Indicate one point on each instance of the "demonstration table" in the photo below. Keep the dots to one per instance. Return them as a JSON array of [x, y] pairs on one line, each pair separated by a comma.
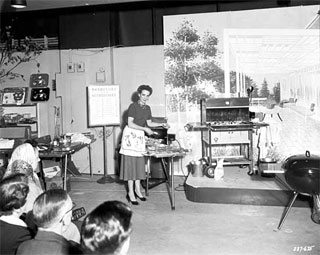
[[168, 171], [64, 154]]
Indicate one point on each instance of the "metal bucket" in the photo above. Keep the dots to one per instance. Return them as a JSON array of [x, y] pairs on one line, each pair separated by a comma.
[[196, 168]]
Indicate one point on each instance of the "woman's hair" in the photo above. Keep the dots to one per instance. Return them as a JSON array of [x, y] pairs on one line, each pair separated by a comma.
[[33, 142], [25, 152], [13, 193], [19, 167], [106, 228], [144, 87], [48, 207]]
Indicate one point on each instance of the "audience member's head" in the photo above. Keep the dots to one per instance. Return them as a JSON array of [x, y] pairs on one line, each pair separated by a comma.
[[33, 142], [27, 153], [106, 230], [13, 194], [52, 210], [35, 189], [19, 166]]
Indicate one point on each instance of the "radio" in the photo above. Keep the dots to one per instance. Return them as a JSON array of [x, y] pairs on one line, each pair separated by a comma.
[[14, 95], [78, 213], [39, 80], [40, 94]]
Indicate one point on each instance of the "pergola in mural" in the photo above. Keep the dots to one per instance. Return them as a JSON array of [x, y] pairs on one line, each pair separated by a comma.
[[269, 51]]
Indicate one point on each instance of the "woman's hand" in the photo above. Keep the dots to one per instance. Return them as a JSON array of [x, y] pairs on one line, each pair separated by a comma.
[[165, 125], [148, 131]]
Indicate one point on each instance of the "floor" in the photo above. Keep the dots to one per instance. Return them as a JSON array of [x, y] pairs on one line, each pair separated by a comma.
[[203, 228]]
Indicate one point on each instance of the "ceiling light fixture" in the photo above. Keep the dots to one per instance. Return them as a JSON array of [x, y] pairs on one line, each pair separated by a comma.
[[18, 3]]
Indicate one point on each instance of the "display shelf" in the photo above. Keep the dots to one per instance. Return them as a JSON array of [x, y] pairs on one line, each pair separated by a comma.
[[20, 115], [225, 142]]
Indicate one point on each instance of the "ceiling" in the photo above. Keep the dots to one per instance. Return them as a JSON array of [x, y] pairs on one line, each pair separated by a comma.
[[33, 5]]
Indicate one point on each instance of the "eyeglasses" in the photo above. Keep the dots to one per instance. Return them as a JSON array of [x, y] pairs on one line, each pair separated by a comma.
[[73, 206]]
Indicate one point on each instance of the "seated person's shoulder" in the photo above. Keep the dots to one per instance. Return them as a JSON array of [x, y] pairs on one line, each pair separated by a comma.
[[75, 248]]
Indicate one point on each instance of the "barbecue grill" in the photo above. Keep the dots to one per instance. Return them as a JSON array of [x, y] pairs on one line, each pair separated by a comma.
[[228, 122]]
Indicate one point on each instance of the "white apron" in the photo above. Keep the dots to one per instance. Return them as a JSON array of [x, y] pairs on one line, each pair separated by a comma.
[[133, 142]]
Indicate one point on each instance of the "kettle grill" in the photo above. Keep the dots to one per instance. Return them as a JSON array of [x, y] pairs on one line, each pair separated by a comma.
[[302, 173]]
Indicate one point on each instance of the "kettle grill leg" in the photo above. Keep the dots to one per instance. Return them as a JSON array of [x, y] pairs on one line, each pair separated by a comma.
[[315, 216], [286, 212]]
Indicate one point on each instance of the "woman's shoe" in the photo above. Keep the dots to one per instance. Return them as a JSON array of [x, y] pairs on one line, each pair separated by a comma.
[[141, 198], [132, 202]]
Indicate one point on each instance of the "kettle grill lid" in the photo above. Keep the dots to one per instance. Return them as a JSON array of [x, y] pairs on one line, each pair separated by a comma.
[[302, 161]]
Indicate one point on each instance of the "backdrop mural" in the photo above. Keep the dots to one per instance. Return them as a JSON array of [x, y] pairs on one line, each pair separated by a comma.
[[198, 64]]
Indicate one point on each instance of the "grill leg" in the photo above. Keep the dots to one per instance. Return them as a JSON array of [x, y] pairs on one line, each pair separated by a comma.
[[286, 212]]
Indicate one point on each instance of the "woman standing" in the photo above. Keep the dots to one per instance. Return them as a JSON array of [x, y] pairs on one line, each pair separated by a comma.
[[133, 164]]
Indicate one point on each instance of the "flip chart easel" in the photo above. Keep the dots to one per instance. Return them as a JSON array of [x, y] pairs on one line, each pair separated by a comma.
[[103, 110]]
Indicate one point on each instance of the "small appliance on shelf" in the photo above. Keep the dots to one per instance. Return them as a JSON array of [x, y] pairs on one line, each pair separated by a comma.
[[14, 95]]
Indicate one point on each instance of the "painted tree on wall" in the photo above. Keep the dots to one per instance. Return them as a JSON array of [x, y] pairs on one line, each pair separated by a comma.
[[191, 63], [264, 91], [276, 93], [192, 68], [255, 92]]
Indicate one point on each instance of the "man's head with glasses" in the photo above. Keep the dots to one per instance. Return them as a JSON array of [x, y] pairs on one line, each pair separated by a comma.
[[52, 210]]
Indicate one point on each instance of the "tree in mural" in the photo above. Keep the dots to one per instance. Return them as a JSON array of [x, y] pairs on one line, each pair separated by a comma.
[[191, 66], [264, 91], [276, 93], [255, 92]]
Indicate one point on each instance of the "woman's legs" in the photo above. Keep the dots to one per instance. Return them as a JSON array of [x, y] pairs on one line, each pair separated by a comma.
[[137, 188], [134, 190], [131, 191]]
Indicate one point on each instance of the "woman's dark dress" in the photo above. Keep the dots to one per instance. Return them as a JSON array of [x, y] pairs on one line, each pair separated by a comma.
[[133, 168]]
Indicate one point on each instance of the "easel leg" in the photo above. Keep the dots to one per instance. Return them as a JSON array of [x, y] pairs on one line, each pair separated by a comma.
[[172, 183]]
